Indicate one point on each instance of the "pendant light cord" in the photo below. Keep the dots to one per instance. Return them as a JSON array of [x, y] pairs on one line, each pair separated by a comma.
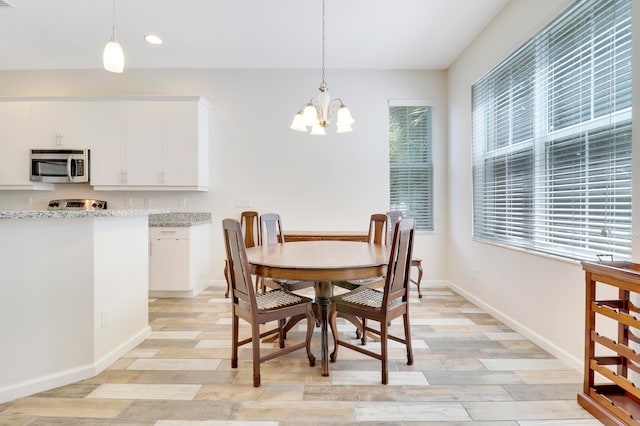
[[113, 28]]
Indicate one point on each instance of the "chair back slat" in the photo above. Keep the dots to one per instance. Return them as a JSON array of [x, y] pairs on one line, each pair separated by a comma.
[[394, 217], [239, 270], [378, 229], [271, 229], [249, 222], [398, 269]]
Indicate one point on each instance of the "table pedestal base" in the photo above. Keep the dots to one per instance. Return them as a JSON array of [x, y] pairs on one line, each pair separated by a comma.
[[324, 292]]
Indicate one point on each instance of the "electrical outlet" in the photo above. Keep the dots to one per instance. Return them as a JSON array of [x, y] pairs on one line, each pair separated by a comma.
[[147, 202], [183, 202], [104, 317], [243, 203]]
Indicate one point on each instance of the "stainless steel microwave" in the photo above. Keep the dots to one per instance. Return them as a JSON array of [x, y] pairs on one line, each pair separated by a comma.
[[60, 165]]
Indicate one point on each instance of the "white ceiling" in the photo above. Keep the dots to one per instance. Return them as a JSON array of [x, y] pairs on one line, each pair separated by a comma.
[[284, 34]]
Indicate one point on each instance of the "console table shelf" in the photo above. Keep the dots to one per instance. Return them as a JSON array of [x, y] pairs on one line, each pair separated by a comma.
[[614, 400]]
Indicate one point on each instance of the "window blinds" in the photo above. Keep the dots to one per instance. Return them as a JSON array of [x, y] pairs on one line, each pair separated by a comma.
[[411, 162], [552, 138]]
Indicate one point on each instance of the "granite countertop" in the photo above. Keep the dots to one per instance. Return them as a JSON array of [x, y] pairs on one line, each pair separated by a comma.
[[57, 214], [176, 219]]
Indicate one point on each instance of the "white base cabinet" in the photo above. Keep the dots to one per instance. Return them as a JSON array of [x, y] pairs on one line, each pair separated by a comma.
[[179, 263]]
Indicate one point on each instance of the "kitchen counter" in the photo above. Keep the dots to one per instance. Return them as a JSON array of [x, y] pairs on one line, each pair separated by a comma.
[[179, 219], [57, 214], [74, 295]]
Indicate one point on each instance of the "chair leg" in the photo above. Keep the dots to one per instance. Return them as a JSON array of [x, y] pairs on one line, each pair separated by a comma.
[[311, 321], [384, 341], [234, 341], [363, 340], [419, 266], [407, 338], [281, 324], [334, 330], [255, 345]]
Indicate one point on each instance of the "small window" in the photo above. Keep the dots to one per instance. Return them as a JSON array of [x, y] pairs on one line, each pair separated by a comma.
[[411, 161]]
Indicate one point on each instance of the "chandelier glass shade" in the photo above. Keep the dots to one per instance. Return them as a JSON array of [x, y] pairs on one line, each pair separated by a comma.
[[112, 55], [316, 114]]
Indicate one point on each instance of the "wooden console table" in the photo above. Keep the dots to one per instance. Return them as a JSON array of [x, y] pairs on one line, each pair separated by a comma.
[[615, 400], [294, 236]]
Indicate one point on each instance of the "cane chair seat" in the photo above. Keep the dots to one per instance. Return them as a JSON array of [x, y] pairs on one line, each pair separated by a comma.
[[280, 298]]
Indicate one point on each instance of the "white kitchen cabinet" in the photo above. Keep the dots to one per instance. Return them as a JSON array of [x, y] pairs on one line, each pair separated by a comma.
[[185, 164], [15, 145], [166, 146], [179, 260], [61, 124], [108, 148], [144, 142]]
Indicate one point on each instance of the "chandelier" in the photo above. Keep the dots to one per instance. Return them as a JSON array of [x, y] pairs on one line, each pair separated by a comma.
[[317, 112]]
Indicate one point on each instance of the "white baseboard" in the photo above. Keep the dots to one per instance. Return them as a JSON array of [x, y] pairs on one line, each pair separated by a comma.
[[570, 360], [62, 378]]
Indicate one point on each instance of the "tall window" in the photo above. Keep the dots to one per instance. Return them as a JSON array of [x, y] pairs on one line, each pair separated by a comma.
[[411, 161], [552, 138]]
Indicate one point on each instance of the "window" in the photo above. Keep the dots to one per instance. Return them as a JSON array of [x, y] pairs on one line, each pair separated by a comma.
[[411, 161], [552, 138]]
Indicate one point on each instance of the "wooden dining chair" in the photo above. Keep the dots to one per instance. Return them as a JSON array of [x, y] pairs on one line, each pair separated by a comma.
[[381, 306], [270, 232], [416, 262], [260, 308], [378, 224], [249, 225]]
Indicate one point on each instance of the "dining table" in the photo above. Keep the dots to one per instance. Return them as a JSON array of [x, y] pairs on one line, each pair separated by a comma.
[[324, 263]]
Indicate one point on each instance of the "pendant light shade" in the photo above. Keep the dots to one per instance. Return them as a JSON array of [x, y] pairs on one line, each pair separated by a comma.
[[112, 55]]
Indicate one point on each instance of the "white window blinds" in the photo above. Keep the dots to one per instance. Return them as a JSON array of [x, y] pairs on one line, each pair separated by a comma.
[[411, 162], [552, 138]]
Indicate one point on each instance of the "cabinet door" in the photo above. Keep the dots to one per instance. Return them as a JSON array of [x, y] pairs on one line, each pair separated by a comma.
[[144, 143], [61, 124], [108, 143], [169, 264], [179, 143], [15, 142]]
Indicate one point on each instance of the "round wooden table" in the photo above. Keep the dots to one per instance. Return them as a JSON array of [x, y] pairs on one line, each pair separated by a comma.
[[322, 262]]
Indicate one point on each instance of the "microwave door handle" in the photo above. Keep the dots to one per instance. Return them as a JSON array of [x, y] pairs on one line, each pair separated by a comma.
[[69, 160]]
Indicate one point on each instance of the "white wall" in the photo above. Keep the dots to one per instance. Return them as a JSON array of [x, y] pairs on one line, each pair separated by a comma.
[[540, 296], [316, 183]]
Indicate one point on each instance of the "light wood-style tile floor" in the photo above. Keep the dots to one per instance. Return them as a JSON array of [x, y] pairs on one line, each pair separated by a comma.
[[468, 369]]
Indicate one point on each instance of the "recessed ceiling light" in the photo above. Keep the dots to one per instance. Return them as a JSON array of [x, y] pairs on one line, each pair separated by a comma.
[[152, 39]]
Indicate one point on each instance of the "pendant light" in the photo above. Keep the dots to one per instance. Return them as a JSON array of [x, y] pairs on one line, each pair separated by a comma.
[[316, 113], [113, 56]]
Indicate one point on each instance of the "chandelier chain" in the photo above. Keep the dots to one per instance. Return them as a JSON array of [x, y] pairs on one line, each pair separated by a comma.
[[323, 84]]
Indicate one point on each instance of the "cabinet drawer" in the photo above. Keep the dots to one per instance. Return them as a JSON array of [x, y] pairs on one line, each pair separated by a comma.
[[159, 232]]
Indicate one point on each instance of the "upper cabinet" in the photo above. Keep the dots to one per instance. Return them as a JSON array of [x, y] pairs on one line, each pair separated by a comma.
[[136, 143], [60, 124], [15, 142], [151, 145]]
